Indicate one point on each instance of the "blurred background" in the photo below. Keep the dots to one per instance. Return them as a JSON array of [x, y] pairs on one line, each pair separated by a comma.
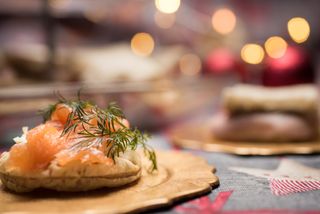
[[163, 61]]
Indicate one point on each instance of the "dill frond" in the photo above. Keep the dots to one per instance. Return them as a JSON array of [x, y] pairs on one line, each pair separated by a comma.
[[108, 130]]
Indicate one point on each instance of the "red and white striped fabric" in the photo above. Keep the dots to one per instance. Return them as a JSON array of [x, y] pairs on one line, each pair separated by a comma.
[[289, 177], [285, 187]]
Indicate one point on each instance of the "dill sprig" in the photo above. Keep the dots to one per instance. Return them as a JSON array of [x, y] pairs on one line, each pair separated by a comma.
[[108, 131], [47, 112]]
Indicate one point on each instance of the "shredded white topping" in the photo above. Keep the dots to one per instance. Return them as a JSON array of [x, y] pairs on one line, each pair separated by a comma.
[[23, 137]]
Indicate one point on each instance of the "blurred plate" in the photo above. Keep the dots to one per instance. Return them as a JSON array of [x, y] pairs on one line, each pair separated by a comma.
[[199, 135]]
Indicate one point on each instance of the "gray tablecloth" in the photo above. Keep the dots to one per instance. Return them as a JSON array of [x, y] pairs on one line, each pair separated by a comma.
[[240, 192]]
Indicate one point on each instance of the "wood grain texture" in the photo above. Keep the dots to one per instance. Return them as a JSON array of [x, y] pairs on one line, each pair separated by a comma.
[[180, 175], [199, 135]]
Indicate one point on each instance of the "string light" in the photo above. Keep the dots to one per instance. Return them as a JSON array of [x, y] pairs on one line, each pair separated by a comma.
[[276, 46], [167, 6], [190, 64], [252, 53], [142, 44], [299, 29], [224, 21], [164, 20]]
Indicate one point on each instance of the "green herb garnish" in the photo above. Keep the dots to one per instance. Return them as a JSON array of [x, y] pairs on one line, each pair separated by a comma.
[[108, 131]]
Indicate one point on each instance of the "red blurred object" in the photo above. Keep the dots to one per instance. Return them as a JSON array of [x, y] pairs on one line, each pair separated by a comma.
[[223, 61], [220, 61], [294, 67]]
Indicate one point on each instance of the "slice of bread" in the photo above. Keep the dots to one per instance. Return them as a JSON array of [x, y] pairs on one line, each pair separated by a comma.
[[74, 176], [301, 99]]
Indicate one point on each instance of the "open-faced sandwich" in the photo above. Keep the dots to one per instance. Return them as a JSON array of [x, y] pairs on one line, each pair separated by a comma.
[[257, 113], [79, 147]]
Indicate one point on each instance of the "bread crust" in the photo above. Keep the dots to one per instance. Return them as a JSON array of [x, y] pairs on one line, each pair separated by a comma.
[[74, 177], [68, 184]]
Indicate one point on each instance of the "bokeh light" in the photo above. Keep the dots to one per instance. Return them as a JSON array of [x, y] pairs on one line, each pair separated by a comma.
[[299, 29], [291, 59], [224, 21], [275, 46], [190, 64], [59, 4], [142, 44], [96, 15], [252, 53], [164, 20], [167, 6], [220, 61]]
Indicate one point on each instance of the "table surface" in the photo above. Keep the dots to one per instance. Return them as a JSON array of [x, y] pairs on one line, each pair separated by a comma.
[[246, 191]]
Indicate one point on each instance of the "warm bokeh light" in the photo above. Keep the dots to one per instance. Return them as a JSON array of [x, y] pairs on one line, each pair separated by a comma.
[[252, 53], [299, 29], [224, 21], [275, 46], [167, 6], [59, 4], [190, 64], [95, 16], [142, 44], [164, 20]]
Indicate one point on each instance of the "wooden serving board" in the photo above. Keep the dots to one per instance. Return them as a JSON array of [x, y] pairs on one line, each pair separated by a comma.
[[180, 175], [199, 135]]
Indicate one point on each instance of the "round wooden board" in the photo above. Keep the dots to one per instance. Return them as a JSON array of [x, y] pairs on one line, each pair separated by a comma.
[[172, 182], [198, 135]]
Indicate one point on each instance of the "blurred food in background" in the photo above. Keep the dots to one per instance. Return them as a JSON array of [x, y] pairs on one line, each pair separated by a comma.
[[89, 64]]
